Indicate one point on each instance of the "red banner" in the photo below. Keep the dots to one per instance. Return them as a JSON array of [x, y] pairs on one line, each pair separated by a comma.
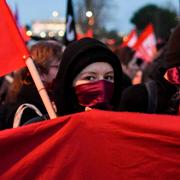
[[146, 44], [130, 40], [93, 145], [12, 47], [89, 33]]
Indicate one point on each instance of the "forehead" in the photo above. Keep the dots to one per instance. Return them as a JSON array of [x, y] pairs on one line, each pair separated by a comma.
[[97, 66]]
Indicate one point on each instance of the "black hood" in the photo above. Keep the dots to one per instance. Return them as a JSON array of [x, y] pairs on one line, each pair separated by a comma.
[[76, 57]]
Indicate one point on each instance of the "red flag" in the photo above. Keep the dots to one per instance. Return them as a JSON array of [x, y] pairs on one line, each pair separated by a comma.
[[24, 35], [12, 47], [93, 145], [80, 36], [89, 33], [146, 45], [130, 39]]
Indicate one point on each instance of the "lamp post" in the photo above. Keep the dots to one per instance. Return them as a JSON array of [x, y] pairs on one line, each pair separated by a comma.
[[89, 15]]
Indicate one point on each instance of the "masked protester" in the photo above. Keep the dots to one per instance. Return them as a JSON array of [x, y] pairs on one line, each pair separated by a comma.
[[89, 76]]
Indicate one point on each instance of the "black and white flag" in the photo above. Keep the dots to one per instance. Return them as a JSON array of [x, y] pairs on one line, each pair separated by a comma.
[[70, 33]]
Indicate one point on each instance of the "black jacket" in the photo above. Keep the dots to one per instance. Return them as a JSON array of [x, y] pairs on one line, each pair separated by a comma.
[[136, 98], [27, 94]]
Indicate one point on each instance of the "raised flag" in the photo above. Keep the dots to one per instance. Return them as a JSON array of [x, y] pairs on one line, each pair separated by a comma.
[[89, 33], [13, 51], [145, 47], [70, 32], [130, 39]]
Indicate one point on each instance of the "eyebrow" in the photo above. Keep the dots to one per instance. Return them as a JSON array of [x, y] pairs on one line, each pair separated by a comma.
[[88, 72], [110, 72], [92, 72]]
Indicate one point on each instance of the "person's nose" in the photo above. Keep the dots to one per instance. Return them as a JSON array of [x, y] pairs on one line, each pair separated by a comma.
[[100, 77]]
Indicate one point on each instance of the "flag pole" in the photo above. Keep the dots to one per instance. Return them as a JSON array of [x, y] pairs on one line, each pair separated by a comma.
[[40, 87]]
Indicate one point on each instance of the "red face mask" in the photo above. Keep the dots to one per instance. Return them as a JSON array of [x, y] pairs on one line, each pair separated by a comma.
[[173, 75], [96, 94]]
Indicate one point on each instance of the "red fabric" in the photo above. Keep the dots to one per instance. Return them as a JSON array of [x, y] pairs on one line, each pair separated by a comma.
[[130, 39], [146, 45], [24, 34], [95, 93], [93, 145], [89, 33], [173, 75], [12, 48]]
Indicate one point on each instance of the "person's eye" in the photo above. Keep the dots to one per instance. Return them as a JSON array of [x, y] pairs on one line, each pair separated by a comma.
[[89, 78], [109, 78]]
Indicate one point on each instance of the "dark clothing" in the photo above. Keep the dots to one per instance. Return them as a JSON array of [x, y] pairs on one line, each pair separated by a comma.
[[126, 81], [75, 58], [172, 56], [135, 98], [37, 119], [28, 94]]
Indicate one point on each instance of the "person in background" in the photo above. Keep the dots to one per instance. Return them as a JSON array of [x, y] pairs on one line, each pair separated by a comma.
[[160, 94], [125, 54], [89, 76], [23, 101], [138, 77], [5, 82]]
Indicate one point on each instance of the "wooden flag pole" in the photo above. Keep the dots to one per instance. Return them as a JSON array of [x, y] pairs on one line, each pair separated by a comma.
[[40, 87]]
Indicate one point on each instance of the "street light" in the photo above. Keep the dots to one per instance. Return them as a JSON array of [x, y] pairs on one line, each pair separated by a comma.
[[55, 14], [89, 14]]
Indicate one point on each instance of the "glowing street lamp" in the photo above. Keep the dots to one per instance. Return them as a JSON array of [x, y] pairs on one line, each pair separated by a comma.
[[89, 14], [55, 14], [29, 33], [42, 34]]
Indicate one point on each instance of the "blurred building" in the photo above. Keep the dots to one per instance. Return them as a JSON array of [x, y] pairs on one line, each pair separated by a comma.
[[50, 28], [54, 28]]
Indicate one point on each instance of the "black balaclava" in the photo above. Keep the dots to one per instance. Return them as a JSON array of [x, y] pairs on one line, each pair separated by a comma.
[[75, 58]]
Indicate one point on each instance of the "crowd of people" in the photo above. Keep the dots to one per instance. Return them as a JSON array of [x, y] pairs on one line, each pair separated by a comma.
[[89, 75]]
